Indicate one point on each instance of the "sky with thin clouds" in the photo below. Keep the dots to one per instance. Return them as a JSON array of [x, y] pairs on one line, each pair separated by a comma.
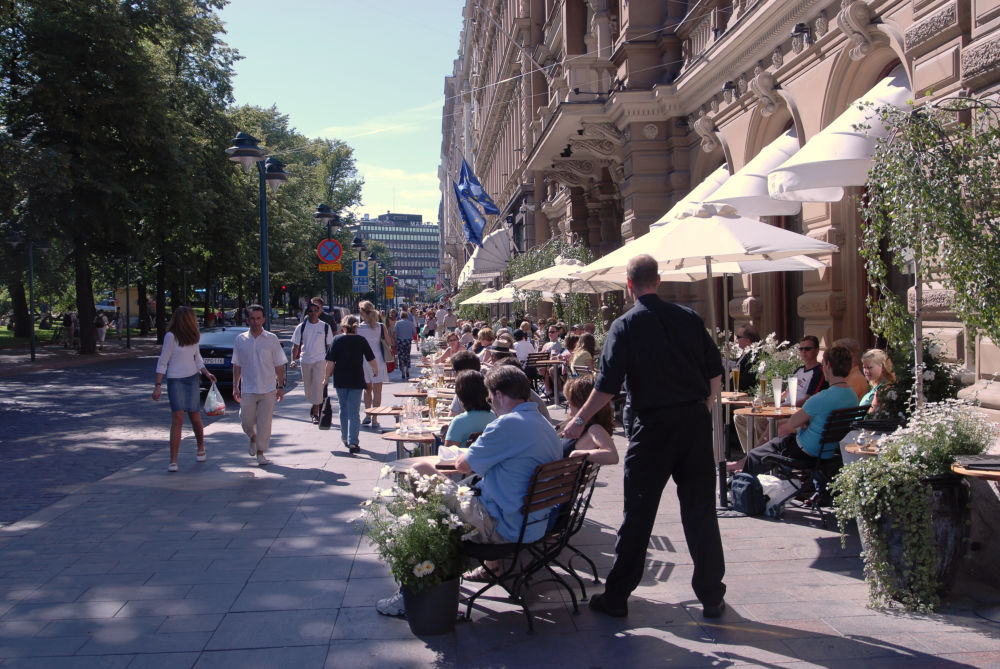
[[368, 73]]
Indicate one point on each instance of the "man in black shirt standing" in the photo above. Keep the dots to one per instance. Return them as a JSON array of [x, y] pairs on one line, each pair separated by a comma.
[[672, 370]]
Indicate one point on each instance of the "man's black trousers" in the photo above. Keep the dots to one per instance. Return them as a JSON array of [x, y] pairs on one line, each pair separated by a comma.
[[670, 442]]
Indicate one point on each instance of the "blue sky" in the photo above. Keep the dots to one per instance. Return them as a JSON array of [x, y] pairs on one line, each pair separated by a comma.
[[370, 73]]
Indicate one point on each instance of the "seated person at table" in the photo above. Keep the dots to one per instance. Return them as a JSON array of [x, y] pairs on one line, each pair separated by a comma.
[[542, 407], [522, 346], [877, 368], [452, 347], [460, 362], [595, 443], [470, 390], [799, 436], [856, 379], [505, 455]]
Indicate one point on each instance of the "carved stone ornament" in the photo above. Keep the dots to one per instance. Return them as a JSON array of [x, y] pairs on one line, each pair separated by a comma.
[[768, 99], [777, 58], [607, 131], [705, 128], [741, 84], [727, 96], [601, 147], [714, 104], [798, 44], [650, 131], [576, 172], [822, 25], [855, 20]]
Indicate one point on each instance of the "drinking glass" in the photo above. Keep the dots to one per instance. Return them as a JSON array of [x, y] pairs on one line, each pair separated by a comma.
[[763, 389], [736, 378], [776, 387], [432, 399], [793, 390]]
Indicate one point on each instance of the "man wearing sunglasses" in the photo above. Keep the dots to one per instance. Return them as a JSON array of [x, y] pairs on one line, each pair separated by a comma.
[[810, 373]]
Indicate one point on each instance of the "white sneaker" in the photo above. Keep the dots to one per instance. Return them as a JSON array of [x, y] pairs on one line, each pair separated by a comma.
[[253, 447], [392, 606], [261, 460]]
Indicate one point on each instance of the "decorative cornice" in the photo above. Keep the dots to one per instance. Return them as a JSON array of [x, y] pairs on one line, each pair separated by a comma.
[[981, 60]]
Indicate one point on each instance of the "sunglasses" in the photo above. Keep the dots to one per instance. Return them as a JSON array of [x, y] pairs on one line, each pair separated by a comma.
[[807, 348]]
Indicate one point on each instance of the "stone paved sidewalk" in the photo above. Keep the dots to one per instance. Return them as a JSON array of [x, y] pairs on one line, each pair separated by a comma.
[[225, 564]]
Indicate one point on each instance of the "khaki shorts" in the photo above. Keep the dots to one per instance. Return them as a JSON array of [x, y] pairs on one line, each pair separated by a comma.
[[473, 513]]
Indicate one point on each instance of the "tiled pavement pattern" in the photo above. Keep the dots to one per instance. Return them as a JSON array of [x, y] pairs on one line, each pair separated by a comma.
[[228, 565]]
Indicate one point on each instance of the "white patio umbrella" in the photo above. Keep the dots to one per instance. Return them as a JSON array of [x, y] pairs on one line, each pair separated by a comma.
[[701, 239], [563, 277], [505, 295], [479, 297]]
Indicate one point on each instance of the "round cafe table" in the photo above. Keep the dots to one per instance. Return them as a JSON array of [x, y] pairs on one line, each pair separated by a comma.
[[772, 415], [554, 362], [423, 441]]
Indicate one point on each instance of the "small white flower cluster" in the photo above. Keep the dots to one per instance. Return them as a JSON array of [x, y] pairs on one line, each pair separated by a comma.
[[425, 568]]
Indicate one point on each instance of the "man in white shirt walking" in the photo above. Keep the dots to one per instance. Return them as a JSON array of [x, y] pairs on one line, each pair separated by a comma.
[[258, 380], [310, 342]]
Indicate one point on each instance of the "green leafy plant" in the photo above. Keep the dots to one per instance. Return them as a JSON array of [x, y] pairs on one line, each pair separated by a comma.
[[574, 309], [413, 530], [472, 312], [896, 402], [931, 205], [891, 493]]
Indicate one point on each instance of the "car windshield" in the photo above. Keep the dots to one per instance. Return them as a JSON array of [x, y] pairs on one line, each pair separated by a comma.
[[220, 336]]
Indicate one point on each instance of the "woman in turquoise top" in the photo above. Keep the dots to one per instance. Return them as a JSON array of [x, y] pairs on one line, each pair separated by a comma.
[[471, 391], [877, 367]]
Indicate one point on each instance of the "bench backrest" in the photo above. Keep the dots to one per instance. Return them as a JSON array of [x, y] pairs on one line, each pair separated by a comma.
[[838, 424]]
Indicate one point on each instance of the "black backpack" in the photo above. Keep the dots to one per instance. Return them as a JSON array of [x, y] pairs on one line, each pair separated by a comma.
[[748, 494]]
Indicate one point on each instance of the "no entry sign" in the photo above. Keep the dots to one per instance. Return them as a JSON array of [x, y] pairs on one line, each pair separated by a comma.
[[329, 251]]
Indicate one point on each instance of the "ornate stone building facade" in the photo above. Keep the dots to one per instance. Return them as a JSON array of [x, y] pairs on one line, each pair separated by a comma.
[[593, 117]]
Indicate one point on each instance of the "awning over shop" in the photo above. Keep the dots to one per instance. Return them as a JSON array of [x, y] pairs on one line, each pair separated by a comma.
[[746, 190], [840, 154], [698, 194], [489, 260]]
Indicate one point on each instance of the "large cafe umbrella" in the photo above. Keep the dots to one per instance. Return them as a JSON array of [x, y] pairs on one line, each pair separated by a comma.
[[505, 295], [703, 237], [563, 277]]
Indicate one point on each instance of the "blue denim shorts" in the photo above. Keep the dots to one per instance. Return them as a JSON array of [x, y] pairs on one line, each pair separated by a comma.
[[184, 394]]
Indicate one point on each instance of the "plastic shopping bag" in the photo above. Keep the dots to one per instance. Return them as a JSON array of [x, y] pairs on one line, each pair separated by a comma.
[[214, 404]]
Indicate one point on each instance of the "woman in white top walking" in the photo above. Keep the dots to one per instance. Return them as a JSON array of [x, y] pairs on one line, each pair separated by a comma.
[[181, 361], [372, 330]]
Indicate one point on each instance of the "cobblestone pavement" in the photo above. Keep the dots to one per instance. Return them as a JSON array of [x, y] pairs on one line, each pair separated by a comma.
[[62, 428]]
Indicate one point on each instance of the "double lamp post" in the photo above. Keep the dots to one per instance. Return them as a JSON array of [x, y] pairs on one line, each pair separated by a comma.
[[247, 151]]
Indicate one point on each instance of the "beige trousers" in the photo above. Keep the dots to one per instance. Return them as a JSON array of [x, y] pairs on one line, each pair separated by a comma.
[[312, 380], [256, 412]]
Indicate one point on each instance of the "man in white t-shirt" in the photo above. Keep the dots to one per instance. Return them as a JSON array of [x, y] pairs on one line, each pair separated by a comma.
[[310, 342], [441, 316]]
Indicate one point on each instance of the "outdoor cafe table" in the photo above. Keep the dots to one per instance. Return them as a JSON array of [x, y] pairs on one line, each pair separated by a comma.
[[442, 392], [423, 440], [772, 415], [554, 362]]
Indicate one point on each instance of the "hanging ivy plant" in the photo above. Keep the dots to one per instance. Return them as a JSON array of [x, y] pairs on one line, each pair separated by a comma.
[[932, 197], [542, 257], [472, 312]]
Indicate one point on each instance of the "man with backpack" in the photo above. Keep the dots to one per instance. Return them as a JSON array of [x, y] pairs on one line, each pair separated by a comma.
[[310, 342]]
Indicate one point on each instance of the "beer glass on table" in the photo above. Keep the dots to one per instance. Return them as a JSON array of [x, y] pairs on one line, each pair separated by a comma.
[[432, 398], [793, 390], [735, 372]]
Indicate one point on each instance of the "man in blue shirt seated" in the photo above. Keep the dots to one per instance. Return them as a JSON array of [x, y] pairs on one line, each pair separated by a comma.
[[799, 436], [505, 455]]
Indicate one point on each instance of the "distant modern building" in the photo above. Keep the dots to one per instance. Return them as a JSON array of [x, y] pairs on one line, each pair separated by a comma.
[[415, 246]]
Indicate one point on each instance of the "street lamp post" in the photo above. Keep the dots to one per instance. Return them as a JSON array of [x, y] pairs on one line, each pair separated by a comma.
[[323, 213], [15, 240], [246, 151]]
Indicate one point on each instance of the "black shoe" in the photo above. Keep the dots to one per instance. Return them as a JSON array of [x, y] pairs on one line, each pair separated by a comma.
[[714, 610], [602, 604], [354, 448]]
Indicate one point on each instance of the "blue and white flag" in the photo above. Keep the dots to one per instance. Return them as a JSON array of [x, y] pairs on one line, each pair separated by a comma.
[[469, 184], [472, 219]]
